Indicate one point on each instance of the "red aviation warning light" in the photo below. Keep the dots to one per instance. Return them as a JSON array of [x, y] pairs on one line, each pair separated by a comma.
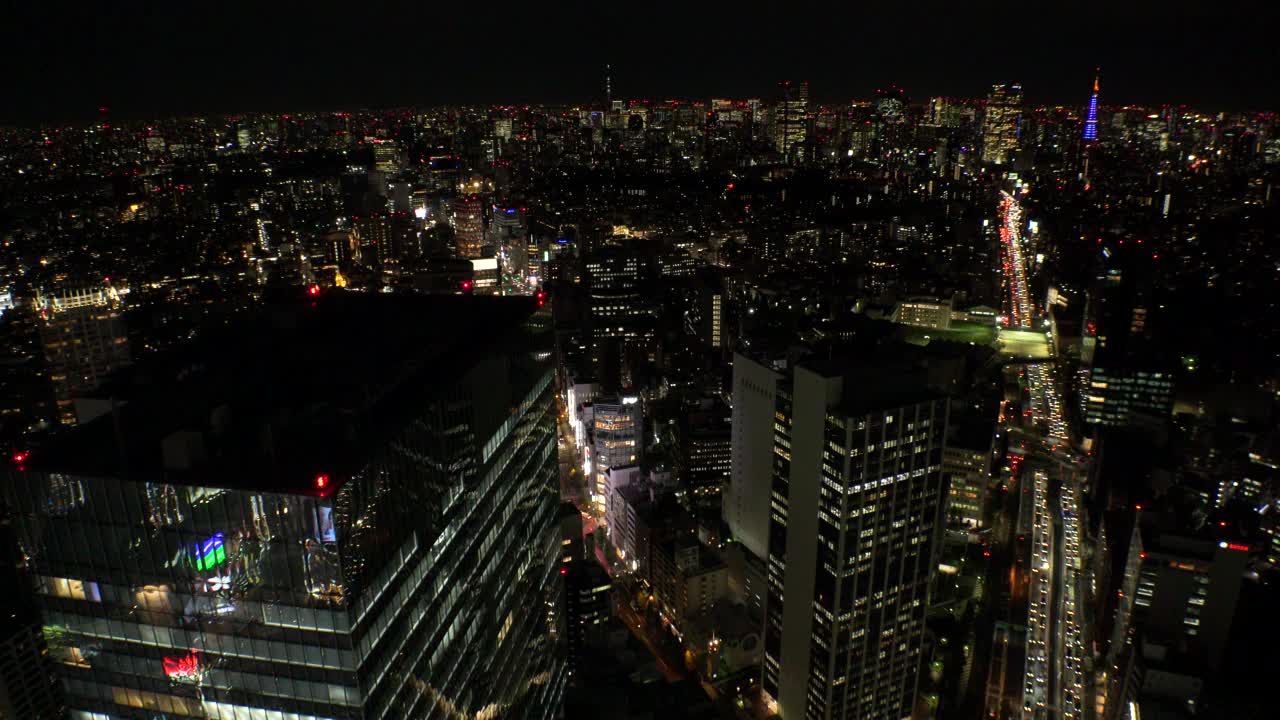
[[322, 482], [313, 290]]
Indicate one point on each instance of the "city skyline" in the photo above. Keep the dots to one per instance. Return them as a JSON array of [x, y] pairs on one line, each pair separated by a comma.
[[937, 404]]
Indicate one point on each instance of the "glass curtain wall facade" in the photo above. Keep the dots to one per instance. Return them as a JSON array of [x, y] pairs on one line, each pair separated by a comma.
[[425, 586]]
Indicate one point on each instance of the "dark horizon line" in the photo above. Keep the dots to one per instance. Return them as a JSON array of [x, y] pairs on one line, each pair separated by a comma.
[[92, 114]]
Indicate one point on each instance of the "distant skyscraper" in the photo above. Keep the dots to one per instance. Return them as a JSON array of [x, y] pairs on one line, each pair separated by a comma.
[[386, 157], [332, 513], [468, 226], [84, 339], [855, 516], [385, 240], [891, 103], [502, 128], [943, 112], [1091, 117], [1001, 125], [791, 116]]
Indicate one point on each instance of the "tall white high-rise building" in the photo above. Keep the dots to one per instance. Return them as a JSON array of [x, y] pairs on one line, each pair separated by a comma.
[[746, 498]]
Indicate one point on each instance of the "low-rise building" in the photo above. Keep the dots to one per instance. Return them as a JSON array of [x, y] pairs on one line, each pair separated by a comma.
[[688, 578], [925, 312]]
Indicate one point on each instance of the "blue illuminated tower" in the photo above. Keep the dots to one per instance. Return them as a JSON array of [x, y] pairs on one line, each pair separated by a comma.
[[1091, 119]]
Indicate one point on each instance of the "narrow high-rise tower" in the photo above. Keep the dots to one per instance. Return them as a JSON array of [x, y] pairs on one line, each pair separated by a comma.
[[854, 518], [790, 116], [468, 226], [1002, 124], [1091, 119]]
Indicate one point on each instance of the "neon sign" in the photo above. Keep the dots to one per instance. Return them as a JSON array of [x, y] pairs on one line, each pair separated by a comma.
[[184, 669], [210, 553], [218, 583]]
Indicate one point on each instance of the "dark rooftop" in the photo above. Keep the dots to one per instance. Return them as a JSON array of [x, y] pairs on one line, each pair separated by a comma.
[[875, 381], [295, 390]]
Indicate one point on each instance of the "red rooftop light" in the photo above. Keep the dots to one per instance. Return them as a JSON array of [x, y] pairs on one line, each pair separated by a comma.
[[21, 456], [322, 481], [313, 290]]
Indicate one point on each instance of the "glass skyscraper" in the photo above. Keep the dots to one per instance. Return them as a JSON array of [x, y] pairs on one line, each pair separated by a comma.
[[341, 508]]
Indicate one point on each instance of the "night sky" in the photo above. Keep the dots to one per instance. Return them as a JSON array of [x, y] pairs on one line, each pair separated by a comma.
[[61, 60]]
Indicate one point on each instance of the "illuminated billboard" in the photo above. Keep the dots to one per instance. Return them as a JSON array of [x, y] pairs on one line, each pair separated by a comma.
[[209, 554]]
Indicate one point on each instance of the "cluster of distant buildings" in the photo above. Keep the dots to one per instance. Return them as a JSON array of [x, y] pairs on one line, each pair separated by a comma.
[[301, 517]]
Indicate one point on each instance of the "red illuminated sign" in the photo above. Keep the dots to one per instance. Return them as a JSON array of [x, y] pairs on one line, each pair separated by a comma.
[[184, 669]]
